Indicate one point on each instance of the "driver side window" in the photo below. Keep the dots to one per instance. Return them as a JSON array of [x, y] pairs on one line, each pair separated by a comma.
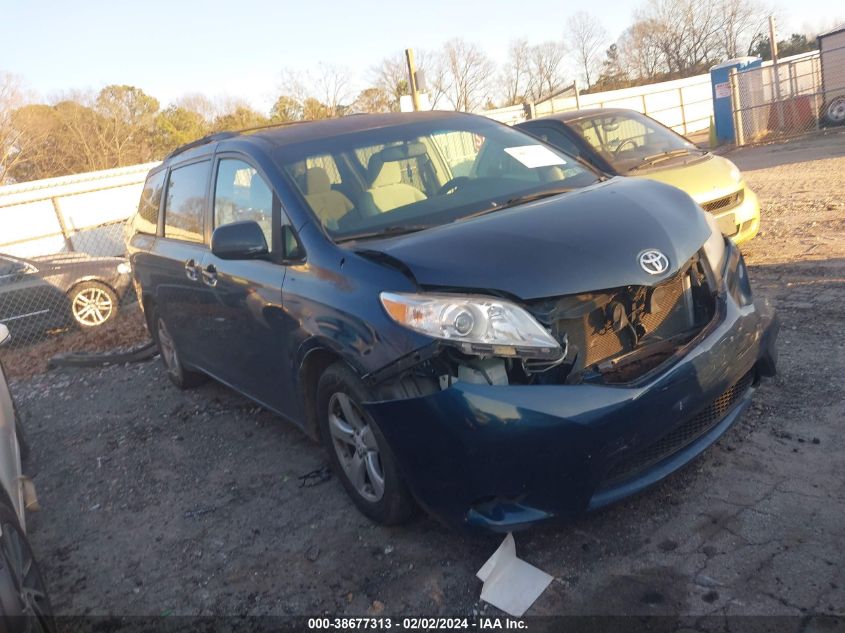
[[242, 194]]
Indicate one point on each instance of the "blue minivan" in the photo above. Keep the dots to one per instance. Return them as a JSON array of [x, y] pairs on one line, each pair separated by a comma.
[[468, 319]]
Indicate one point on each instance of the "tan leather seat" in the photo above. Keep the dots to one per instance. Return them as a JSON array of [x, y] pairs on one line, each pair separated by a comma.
[[328, 205], [387, 191]]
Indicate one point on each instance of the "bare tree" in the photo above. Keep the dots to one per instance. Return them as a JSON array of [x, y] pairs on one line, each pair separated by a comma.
[[685, 31], [516, 74], [333, 86], [741, 21], [547, 69], [199, 103], [322, 90], [466, 74], [641, 51], [11, 98], [391, 77], [587, 39]]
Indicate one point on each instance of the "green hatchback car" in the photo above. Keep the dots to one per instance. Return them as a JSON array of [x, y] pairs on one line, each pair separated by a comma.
[[627, 143]]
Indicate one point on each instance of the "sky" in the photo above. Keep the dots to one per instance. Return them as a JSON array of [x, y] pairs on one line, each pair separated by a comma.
[[240, 47]]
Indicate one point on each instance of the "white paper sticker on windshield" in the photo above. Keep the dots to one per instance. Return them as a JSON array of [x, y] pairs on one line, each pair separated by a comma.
[[535, 156]]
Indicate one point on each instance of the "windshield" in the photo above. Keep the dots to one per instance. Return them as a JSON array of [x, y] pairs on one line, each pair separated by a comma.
[[630, 141], [403, 178]]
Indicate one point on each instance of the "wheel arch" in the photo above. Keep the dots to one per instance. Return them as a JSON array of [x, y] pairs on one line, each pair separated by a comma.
[[314, 363]]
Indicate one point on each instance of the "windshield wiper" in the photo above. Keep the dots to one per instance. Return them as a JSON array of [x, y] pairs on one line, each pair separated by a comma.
[[517, 200], [648, 161], [398, 229]]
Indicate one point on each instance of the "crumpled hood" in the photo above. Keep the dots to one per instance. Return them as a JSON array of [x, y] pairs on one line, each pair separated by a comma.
[[704, 180], [582, 241]]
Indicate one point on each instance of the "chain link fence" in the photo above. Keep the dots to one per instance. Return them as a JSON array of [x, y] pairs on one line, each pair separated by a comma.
[[65, 283], [795, 96]]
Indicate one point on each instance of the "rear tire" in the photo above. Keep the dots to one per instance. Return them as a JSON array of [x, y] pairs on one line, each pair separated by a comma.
[[835, 111], [24, 603], [179, 376], [359, 453]]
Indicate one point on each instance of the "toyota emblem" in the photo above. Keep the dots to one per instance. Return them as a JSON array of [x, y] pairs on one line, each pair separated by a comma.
[[653, 261]]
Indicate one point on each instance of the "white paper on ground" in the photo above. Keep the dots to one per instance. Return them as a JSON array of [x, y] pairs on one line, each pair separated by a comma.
[[535, 156], [510, 583]]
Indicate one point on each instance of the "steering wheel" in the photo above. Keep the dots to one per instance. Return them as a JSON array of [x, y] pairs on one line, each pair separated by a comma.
[[627, 141], [452, 185]]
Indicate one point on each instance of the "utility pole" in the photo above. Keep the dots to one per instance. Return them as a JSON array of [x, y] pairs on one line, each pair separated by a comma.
[[773, 40], [412, 78], [773, 45]]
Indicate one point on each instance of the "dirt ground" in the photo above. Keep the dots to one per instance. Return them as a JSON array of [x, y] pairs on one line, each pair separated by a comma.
[[156, 501]]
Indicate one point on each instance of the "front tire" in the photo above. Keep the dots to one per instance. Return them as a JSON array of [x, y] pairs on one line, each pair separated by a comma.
[[93, 304], [358, 451], [24, 604], [179, 376]]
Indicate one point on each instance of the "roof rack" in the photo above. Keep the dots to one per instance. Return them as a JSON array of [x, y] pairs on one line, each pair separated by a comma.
[[221, 136], [211, 138]]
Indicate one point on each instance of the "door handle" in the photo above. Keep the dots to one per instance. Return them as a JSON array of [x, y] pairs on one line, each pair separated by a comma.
[[191, 270], [209, 275]]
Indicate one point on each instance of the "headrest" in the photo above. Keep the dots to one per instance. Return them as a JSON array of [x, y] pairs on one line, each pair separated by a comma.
[[317, 180], [389, 173]]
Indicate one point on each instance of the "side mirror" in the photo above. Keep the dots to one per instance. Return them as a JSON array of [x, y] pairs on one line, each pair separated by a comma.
[[239, 240], [4, 334]]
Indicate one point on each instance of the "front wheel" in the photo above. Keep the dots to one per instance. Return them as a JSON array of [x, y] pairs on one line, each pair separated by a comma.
[[357, 449], [93, 304], [24, 604]]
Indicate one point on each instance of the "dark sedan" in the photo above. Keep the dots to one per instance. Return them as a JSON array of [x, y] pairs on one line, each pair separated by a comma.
[[466, 317], [56, 291]]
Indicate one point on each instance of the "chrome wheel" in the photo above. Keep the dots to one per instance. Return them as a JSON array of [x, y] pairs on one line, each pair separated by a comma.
[[356, 447], [167, 348], [92, 306]]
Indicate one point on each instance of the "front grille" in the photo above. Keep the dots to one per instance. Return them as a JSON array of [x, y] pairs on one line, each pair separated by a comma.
[[683, 435], [598, 342], [724, 203]]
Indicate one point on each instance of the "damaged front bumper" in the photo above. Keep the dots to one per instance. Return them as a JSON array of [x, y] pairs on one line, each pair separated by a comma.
[[504, 457]]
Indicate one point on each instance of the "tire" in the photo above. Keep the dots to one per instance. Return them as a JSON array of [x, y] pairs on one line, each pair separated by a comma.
[[93, 304], [359, 447], [22, 588], [179, 376], [835, 111], [23, 445]]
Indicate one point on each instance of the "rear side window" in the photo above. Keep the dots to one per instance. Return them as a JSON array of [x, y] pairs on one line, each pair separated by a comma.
[[146, 220], [185, 204]]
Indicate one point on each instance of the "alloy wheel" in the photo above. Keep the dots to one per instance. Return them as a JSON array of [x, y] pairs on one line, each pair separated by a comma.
[[92, 306], [356, 447]]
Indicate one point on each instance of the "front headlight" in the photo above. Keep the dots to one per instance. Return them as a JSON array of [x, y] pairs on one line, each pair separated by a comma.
[[735, 174], [475, 324], [714, 247], [124, 268]]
